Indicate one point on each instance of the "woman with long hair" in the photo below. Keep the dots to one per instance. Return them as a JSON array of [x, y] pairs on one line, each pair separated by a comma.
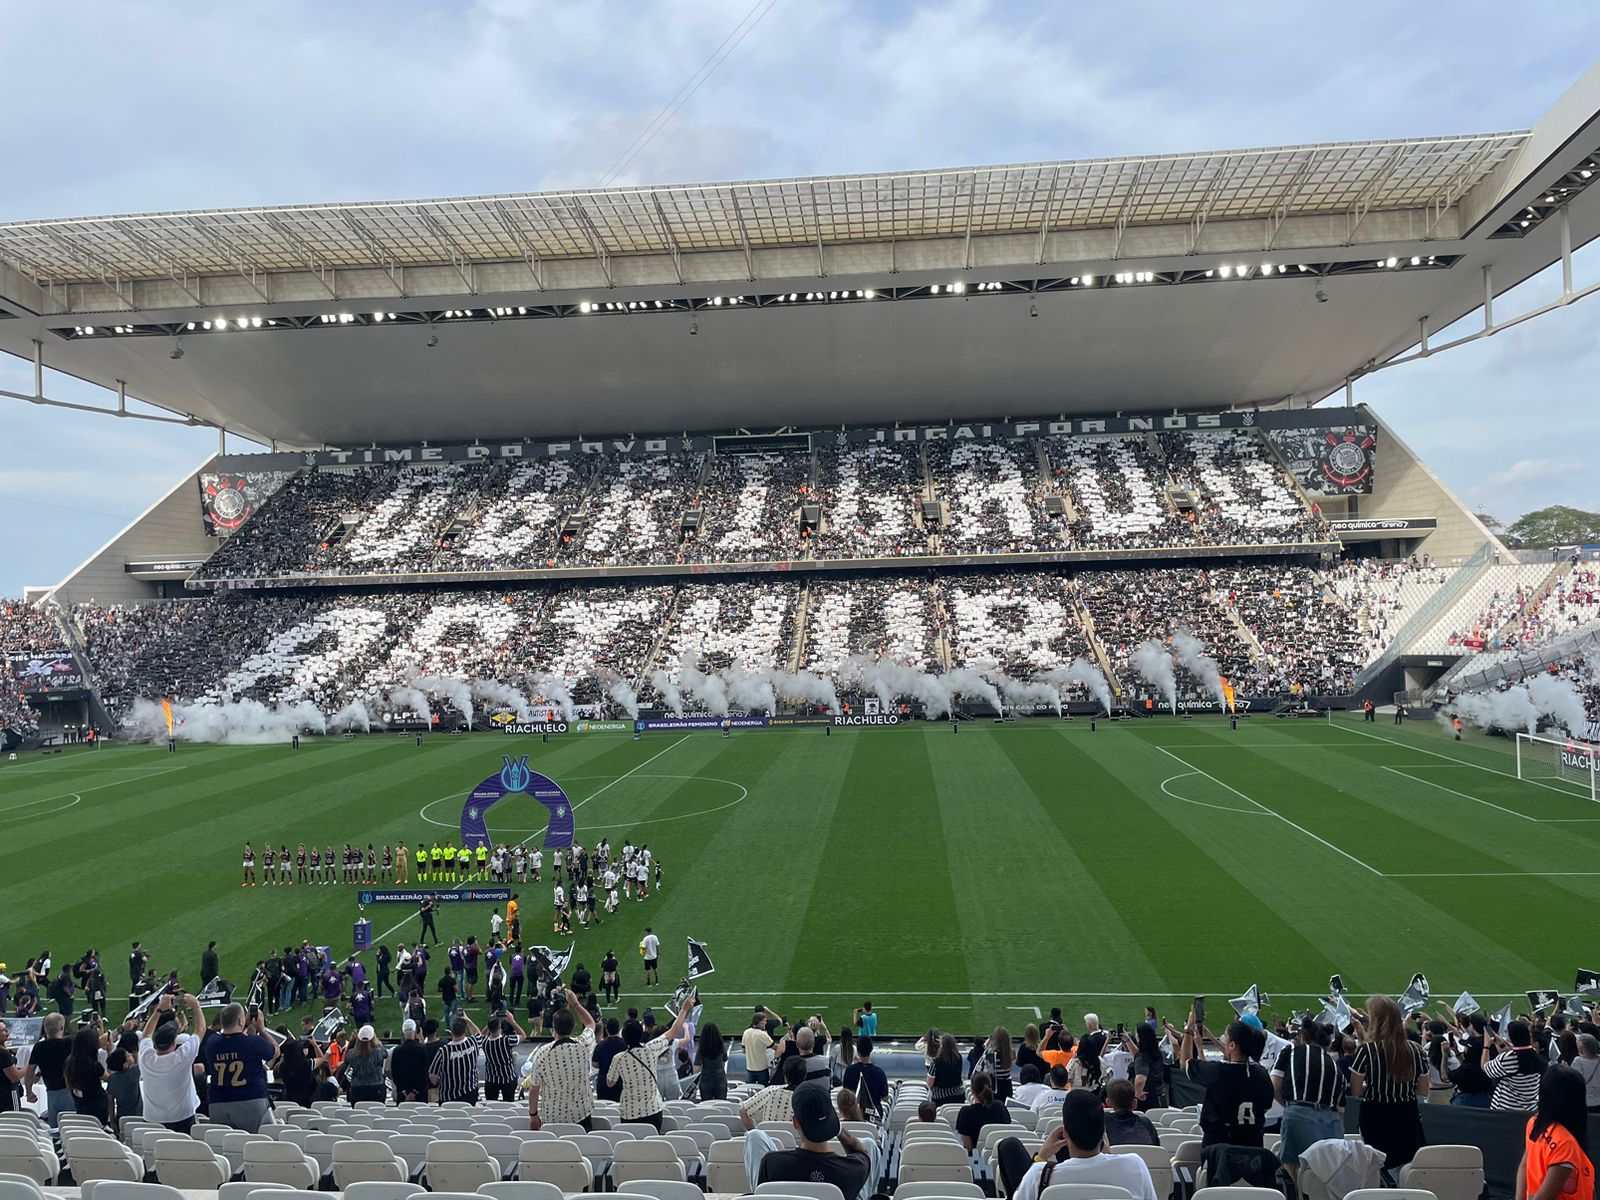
[[1028, 1052], [1086, 1071], [1149, 1069], [86, 1077], [986, 1109], [296, 1068], [944, 1076], [1555, 1157], [1389, 1074], [712, 1056], [362, 1069], [999, 1055], [1516, 1072]]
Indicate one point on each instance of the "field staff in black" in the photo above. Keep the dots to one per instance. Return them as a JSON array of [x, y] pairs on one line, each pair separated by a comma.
[[455, 1064]]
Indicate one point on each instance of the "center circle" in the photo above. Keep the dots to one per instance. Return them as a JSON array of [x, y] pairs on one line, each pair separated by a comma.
[[744, 794]]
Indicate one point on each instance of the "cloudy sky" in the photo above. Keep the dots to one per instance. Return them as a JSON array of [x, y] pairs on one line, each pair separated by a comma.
[[128, 108]]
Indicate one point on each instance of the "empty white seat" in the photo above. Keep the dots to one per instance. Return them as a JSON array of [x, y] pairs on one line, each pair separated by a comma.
[[1159, 1161], [460, 1166], [725, 1167], [243, 1189], [21, 1154], [557, 1162], [504, 1149], [821, 1191], [232, 1147], [1085, 1191], [930, 1159], [645, 1158], [521, 1189], [101, 1156], [19, 1187], [945, 1188], [267, 1161], [319, 1149], [372, 1189], [1449, 1172], [187, 1164], [1236, 1193], [662, 1189], [359, 1160], [116, 1189]]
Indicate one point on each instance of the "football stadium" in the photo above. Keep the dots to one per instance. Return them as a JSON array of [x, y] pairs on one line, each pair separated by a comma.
[[925, 607]]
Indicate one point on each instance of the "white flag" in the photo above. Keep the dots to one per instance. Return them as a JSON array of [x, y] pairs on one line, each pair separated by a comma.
[[1248, 1004], [1502, 1021], [699, 960], [1336, 1013], [1465, 1006], [1416, 994]]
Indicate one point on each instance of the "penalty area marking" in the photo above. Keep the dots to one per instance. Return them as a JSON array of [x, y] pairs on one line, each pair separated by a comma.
[[51, 812], [1198, 803], [744, 794]]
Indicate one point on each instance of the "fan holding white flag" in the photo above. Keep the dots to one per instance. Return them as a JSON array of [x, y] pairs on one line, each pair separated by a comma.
[[1465, 1005], [1416, 994], [1249, 1004]]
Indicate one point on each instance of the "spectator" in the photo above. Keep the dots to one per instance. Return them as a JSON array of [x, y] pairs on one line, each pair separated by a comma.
[[237, 1059], [48, 1063], [813, 1160], [1515, 1072], [984, 1110], [635, 1068], [167, 1055], [122, 1082], [1238, 1090], [1050, 1092], [927, 1112], [944, 1076], [1072, 1154], [866, 1073], [1388, 1075], [362, 1071], [10, 1074], [758, 1047], [297, 1068], [559, 1088], [607, 1049], [1311, 1090], [995, 1055], [1124, 1127], [711, 1056], [454, 1070], [86, 1075], [1149, 1068], [1587, 1065], [1555, 1156], [500, 1052], [1028, 1052], [408, 1066], [866, 1020], [775, 1102]]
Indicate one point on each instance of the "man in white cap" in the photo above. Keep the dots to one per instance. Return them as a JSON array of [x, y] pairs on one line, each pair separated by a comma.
[[408, 1066], [166, 1065]]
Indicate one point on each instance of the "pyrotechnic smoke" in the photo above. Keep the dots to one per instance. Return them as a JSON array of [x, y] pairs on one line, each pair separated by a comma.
[[352, 716], [671, 694], [1018, 693], [750, 690], [710, 690], [803, 687], [240, 723], [625, 697], [492, 691], [410, 699], [447, 687], [1201, 665], [1510, 710], [552, 689], [964, 681], [890, 679], [1559, 700], [1086, 674], [1154, 665]]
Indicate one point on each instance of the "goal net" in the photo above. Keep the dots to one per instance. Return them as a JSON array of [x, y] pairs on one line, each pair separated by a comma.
[[1565, 762]]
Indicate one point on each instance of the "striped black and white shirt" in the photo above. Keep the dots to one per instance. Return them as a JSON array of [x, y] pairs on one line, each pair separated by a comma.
[[1516, 1075], [562, 1076], [635, 1070], [1387, 1084], [500, 1059], [1310, 1076], [455, 1065]]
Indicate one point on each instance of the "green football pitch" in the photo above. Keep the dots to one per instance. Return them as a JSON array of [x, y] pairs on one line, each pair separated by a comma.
[[955, 880]]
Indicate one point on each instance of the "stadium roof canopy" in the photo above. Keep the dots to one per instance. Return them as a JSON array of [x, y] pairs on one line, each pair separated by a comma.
[[1193, 280]]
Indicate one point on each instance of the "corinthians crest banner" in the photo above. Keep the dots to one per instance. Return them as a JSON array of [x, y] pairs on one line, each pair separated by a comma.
[[515, 778], [1336, 461]]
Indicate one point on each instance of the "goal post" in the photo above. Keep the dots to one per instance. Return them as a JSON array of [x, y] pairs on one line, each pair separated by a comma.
[[1567, 762]]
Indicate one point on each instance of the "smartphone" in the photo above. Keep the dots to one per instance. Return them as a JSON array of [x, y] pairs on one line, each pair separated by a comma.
[[1121, 1032], [1200, 1011]]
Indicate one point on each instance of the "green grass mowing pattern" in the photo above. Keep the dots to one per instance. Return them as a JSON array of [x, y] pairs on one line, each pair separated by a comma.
[[956, 880]]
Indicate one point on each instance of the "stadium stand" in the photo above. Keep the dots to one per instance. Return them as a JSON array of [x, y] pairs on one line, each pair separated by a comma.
[[1382, 596], [1494, 599]]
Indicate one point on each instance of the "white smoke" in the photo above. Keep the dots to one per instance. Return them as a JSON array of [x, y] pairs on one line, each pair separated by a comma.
[[352, 716], [1559, 700], [803, 687], [446, 687], [492, 691], [553, 690], [964, 681], [710, 690], [1154, 665], [671, 694], [625, 697], [1509, 710], [1194, 659], [1084, 673], [1018, 693], [410, 699], [890, 679], [750, 690], [237, 723]]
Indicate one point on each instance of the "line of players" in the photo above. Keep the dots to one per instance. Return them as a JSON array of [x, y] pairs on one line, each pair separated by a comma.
[[385, 864], [598, 875]]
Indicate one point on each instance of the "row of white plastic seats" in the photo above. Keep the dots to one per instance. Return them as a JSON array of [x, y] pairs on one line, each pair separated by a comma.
[[18, 1188]]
